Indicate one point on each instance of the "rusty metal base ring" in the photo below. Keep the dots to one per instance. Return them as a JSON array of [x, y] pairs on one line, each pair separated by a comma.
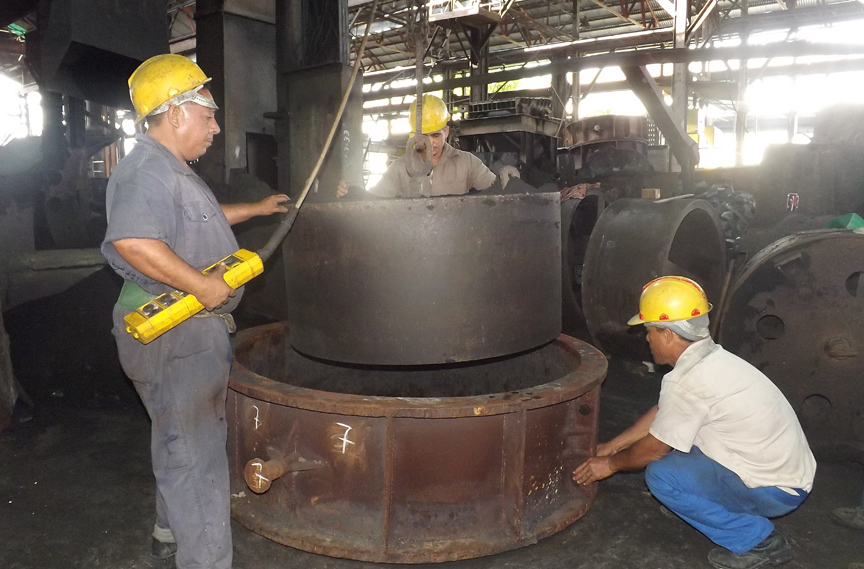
[[409, 479]]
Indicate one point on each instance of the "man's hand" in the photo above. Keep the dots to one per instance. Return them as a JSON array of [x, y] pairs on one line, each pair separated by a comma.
[[507, 172], [578, 191], [239, 212], [342, 189], [214, 291], [277, 203], [592, 470]]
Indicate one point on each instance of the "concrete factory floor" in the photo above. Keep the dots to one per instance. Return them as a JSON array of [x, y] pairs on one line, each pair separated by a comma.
[[76, 490]]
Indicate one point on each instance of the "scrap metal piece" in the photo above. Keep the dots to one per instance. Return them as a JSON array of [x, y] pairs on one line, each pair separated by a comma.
[[425, 280], [796, 312], [479, 463], [636, 241]]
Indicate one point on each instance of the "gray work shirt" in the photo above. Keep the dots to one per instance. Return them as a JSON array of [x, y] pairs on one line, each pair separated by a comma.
[[457, 172], [152, 195]]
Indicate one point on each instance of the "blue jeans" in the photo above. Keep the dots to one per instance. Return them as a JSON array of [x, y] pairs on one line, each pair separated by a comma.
[[182, 379], [715, 501]]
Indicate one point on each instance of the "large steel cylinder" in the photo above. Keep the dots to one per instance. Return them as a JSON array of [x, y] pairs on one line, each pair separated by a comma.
[[426, 280], [409, 466], [796, 312], [635, 241]]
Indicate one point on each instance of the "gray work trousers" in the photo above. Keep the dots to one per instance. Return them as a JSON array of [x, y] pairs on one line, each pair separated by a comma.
[[182, 379]]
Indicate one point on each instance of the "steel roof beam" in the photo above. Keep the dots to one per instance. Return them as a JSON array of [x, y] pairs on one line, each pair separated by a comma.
[[642, 57]]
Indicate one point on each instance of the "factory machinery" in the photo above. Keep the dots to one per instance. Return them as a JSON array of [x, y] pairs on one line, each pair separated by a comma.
[[403, 311], [780, 259], [421, 403]]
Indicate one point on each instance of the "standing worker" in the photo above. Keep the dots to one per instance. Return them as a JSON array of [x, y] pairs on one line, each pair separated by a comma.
[[453, 171], [164, 228], [723, 447]]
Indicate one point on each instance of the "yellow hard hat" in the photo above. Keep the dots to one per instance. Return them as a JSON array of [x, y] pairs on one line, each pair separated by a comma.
[[435, 115], [668, 299], [160, 79]]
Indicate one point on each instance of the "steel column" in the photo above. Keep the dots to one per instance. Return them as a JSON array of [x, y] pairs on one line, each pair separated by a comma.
[[741, 103], [679, 86], [237, 50], [313, 74], [684, 148]]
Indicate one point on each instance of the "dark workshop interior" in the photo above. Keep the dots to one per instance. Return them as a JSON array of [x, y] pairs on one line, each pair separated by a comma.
[[419, 377]]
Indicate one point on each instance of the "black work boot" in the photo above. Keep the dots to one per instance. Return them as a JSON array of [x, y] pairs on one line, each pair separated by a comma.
[[163, 546], [774, 550], [162, 550]]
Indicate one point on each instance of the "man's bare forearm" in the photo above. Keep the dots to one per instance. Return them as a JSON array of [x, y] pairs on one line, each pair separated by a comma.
[[633, 449], [636, 432], [639, 454], [239, 212], [156, 260]]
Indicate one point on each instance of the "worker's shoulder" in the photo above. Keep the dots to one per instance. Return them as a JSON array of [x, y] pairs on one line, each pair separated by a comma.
[[723, 358], [147, 161], [143, 171], [719, 369], [462, 158]]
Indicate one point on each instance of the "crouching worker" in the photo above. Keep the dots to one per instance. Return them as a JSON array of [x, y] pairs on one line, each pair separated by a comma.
[[723, 448]]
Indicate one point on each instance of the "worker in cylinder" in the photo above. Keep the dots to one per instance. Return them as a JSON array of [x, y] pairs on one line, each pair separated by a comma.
[[723, 447], [453, 171], [164, 227]]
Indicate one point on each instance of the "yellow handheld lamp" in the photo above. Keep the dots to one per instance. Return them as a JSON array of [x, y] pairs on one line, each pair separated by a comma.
[[170, 309]]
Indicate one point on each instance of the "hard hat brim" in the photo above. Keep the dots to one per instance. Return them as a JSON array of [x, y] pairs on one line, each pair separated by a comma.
[[636, 320]]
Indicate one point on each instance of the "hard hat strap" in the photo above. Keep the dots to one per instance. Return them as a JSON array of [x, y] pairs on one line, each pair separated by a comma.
[[190, 96]]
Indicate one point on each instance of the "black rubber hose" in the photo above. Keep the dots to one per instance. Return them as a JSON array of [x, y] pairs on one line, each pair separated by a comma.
[[267, 250]]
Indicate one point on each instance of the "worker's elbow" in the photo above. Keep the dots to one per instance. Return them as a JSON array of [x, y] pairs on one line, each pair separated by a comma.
[[126, 247], [131, 248], [659, 452]]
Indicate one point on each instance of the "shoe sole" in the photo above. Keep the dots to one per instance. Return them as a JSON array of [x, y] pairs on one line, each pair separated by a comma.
[[848, 523], [778, 558]]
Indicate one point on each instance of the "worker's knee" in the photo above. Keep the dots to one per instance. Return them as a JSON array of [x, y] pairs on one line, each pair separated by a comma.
[[658, 476], [670, 474]]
